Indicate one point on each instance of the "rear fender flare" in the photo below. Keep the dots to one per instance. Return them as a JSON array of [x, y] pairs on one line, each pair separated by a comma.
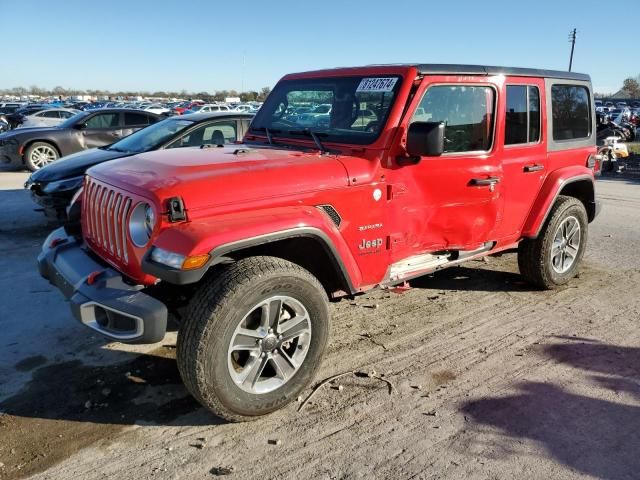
[[555, 185]]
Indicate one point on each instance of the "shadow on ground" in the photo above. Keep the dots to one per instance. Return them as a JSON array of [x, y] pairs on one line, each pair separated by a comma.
[[464, 278], [69, 406], [594, 436]]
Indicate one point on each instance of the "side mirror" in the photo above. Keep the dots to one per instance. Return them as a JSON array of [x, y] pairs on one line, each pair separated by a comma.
[[425, 139], [80, 126]]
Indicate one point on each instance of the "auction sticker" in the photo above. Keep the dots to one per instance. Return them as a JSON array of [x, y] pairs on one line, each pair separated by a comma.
[[378, 84]]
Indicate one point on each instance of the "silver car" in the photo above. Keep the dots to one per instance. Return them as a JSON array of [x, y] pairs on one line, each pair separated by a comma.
[[50, 117]]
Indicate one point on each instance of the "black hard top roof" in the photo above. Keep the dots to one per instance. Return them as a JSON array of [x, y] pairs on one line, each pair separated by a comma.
[[443, 68]]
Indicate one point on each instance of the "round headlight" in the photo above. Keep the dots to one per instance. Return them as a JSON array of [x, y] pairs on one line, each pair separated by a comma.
[[141, 224]]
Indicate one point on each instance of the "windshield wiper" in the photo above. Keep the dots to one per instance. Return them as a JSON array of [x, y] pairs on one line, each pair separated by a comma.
[[268, 132], [312, 134]]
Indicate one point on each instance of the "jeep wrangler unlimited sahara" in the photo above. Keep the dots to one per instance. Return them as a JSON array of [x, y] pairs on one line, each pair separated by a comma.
[[413, 168]]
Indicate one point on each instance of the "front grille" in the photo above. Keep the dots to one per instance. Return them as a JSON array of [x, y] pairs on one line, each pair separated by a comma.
[[105, 218]]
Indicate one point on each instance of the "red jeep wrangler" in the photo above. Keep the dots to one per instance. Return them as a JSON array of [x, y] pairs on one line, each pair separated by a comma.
[[348, 180]]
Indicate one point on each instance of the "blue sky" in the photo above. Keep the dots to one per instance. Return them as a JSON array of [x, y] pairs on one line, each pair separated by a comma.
[[213, 45]]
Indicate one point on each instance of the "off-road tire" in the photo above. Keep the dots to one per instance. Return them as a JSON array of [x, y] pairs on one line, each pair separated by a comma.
[[29, 151], [534, 255], [214, 312]]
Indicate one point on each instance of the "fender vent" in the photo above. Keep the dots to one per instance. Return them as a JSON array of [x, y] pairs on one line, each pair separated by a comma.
[[333, 214]]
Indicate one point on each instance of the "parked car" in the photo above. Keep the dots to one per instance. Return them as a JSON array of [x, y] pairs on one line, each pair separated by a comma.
[[207, 108], [18, 116], [37, 147], [156, 108], [47, 118], [317, 117], [53, 186], [245, 107], [187, 106], [248, 244]]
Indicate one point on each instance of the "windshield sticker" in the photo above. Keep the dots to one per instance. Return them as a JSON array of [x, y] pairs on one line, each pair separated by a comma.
[[383, 84]]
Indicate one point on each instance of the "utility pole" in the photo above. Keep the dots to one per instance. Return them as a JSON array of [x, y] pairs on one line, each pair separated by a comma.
[[572, 39]]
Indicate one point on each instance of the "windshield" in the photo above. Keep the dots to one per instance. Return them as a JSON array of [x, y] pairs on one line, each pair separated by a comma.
[[151, 137], [72, 120], [338, 109]]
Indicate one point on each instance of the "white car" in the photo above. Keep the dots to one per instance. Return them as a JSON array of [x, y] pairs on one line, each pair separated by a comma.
[[243, 107], [156, 108], [207, 108], [50, 117]]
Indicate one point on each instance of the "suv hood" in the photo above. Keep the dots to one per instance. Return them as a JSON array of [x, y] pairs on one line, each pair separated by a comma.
[[75, 165], [223, 175]]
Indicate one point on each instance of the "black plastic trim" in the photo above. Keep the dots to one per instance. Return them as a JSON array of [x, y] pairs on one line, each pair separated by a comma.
[[218, 255], [67, 266]]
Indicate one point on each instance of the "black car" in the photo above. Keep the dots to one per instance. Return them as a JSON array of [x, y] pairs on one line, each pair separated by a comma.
[[16, 117], [53, 186], [37, 147]]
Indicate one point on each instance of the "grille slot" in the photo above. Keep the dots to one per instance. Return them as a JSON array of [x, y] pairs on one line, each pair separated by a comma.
[[105, 218]]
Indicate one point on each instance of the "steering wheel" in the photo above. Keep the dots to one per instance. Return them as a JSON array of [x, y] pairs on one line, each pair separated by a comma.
[[285, 105], [372, 126], [456, 137]]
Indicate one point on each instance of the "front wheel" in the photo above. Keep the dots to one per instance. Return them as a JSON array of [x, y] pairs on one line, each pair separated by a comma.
[[554, 257], [40, 154], [253, 337]]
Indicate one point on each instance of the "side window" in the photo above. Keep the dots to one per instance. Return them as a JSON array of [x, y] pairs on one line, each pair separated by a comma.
[[468, 113], [103, 120], [522, 115], [218, 133], [66, 114], [135, 119], [571, 112]]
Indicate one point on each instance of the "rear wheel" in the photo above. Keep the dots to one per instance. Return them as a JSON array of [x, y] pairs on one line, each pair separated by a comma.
[[40, 154], [253, 337], [554, 257]]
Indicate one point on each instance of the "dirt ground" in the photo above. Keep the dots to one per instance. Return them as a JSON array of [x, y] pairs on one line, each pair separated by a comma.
[[492, 380]]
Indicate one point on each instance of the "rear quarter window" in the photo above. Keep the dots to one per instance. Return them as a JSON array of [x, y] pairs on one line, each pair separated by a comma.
[[570, 105]]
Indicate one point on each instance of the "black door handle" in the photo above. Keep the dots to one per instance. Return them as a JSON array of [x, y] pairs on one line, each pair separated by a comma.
[[483, 182], [533, 168]]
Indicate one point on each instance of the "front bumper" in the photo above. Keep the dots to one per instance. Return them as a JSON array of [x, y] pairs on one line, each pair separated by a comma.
[[9, 154], [54, 206], [108, 305]]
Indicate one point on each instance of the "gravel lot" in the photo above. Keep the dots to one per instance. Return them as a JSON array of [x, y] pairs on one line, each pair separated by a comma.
[[492, 379]]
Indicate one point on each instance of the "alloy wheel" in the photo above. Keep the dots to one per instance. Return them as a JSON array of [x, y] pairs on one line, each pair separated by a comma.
[[269, 345], [566, 245]]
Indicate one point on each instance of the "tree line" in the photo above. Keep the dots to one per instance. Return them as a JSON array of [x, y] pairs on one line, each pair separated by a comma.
[[630, 85], [218, 95]]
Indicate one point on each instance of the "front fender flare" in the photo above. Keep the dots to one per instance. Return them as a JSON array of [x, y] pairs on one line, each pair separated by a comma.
[[222, 236]]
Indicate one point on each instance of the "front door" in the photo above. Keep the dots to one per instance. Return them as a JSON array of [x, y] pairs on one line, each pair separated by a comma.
[[453, 201]]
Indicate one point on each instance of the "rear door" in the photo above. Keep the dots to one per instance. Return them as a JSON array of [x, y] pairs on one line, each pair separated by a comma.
[[525, 149], [102, 128], [134, 121]]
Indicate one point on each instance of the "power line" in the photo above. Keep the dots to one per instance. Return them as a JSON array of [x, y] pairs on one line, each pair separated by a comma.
[[572, 39]]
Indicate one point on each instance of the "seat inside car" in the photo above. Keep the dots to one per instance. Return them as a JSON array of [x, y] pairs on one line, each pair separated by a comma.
[[217, 137]]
